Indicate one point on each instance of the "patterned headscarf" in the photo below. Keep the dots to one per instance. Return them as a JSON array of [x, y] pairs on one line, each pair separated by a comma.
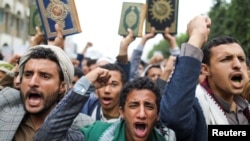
[[64, 62]]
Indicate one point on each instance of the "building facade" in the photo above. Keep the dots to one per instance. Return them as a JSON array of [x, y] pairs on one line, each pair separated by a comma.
[[14, 24]]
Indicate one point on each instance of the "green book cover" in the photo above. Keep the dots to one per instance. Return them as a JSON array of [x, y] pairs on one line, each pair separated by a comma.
[[162, 14], [34, 20], [132, 16]]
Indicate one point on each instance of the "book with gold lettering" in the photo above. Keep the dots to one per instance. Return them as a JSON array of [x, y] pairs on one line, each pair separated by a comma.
[[34, 20], [162, 14], [132, 16], [62, 12]]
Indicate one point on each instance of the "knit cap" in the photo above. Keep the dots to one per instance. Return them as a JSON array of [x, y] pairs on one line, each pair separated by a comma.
[[64, 62], [6, 67]]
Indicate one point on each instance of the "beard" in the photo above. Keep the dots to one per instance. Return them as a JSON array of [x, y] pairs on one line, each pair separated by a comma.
[[48, 101]]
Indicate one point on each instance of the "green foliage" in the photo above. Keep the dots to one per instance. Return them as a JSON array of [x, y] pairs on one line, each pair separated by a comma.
[[228, 18], [231, 19]]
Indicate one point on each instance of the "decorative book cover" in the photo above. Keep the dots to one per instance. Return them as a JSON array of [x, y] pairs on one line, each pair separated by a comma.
[[34, 20], [162, 14], [62, 12], [132, 16]]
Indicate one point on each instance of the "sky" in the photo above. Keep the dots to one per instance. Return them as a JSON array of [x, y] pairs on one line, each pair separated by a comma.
[[100, 19]]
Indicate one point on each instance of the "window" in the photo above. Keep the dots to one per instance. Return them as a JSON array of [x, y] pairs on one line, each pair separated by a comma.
[[7, 18], [1, 15], [18, 24]]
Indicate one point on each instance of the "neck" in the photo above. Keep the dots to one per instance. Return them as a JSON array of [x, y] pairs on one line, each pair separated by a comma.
[[37, 120], [110, 114], [225, 95], [233, 106]]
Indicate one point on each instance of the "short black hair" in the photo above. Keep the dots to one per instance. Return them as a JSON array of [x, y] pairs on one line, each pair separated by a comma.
[[91, 62], [78, 72], [158, 66], [140, 83], [116, 67], [46, 53], [216, 42]]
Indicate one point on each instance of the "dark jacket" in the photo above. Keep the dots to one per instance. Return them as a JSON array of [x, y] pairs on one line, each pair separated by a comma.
[[180, 109]]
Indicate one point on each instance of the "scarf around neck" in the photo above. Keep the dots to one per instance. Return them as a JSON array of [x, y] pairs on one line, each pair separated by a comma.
[[212, 109], [103, 131]]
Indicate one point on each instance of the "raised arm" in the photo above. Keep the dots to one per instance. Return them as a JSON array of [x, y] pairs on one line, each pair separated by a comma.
[[174, 48], [137, 53], [57, 125], [122, 58], [180, 109]]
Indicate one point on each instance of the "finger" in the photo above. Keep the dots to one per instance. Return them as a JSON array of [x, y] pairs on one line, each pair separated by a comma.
[[152, 30], [58, 31], [38, 30], [130, 35]]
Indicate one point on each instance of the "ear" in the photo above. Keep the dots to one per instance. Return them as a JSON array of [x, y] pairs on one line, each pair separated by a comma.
[[205, 69], [121, 112], [62, 87]]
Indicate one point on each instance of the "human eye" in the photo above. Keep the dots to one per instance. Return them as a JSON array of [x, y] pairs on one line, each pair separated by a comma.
[[114, 84], [45, 75], [133, 105], [242, 59], [149, 106], [16, 74], [226, 58], [27, 74]]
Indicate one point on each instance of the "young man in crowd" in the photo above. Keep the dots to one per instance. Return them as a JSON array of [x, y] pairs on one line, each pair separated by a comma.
[[105, 105], [139, 107], [45, 74], [215, 101]]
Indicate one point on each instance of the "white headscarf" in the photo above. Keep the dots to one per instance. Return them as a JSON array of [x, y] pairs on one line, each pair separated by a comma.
[[64, 62]]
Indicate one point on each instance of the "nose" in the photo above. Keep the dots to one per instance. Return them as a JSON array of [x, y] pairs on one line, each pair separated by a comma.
[[33, 80], [17, 81], [141, 112], [236, 63], [107, 88]]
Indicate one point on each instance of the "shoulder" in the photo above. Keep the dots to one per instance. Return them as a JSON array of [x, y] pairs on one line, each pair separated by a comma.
[[97, 128], [10, 96], [92, 102], [95, 131], [82, 120]]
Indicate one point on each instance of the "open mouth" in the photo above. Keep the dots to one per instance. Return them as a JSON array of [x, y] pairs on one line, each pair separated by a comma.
[[237, 81], [34, 99], [236, 78], [106, 100], [140, 129]]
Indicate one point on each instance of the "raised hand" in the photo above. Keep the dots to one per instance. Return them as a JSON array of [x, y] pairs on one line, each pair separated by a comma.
[[59, 40], [168, 68], [38, 38], [125, 42], [148, 36], [198, 30], [88, 45], [170, 38], [98, 77]]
